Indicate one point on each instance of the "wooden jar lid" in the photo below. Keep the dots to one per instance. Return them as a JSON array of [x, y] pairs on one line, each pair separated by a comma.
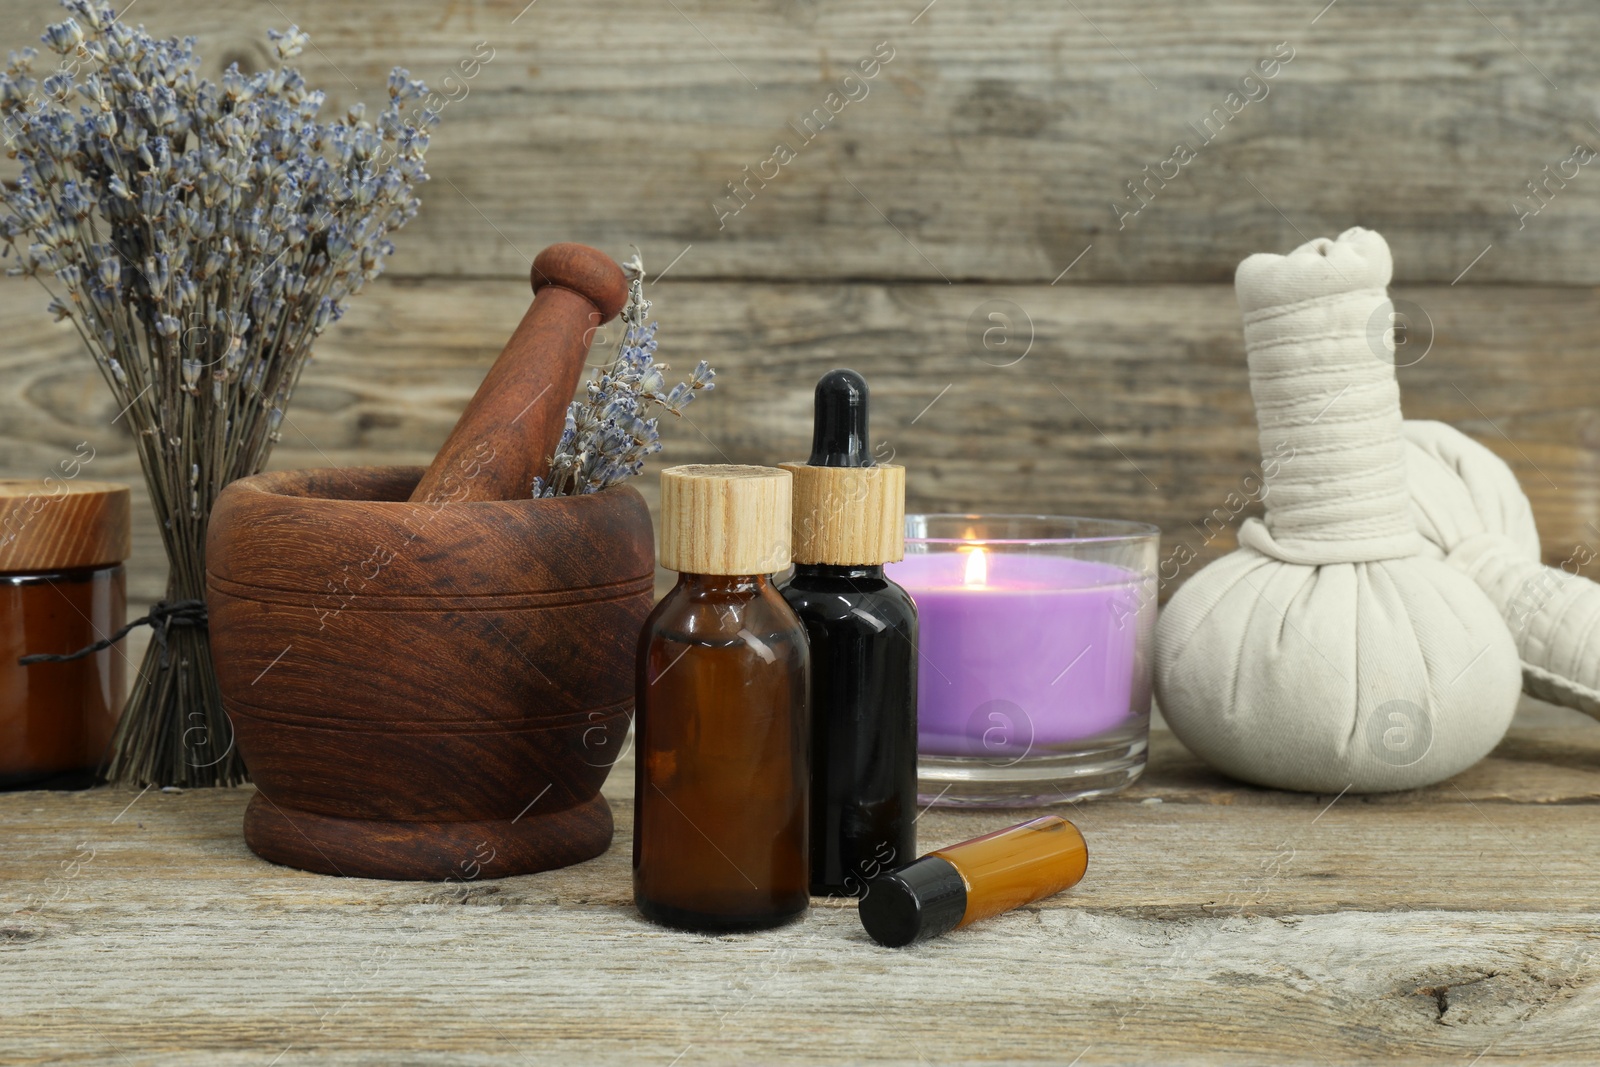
[[724, 519], [57, 524], [849, 516]]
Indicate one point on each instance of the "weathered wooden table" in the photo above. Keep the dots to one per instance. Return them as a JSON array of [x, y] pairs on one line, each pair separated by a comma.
[[1218, 924]]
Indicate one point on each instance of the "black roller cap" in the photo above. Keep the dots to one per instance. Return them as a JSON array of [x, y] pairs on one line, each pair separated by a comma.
[[839, 435], [922, 899]]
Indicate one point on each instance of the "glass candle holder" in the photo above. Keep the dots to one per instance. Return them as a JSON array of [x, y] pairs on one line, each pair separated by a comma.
[[1033, 683]]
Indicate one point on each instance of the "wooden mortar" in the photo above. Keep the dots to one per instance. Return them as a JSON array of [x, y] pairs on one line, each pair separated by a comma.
[[427, 683]]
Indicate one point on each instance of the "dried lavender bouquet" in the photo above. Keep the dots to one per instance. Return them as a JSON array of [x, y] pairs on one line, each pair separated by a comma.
[[199, 236], [608, 434]]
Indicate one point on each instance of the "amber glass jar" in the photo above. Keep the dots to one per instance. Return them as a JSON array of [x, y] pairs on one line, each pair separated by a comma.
[[62, 587], [720, 812]]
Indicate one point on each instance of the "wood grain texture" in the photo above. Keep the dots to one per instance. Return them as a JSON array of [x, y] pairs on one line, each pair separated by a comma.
[[720, 518], [993, 145], [1132, 402], [1218, 924], [56, 524], [395, 669], [848, 515]]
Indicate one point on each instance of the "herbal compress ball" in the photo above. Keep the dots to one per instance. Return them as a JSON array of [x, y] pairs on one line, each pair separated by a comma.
[[1473, 514], [1327, 653]]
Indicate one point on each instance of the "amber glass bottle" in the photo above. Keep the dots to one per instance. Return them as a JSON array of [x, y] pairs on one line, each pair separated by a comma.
[[952, 887], [720, 827]]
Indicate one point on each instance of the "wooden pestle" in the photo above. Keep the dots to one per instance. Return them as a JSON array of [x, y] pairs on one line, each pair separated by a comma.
[[507, 434]]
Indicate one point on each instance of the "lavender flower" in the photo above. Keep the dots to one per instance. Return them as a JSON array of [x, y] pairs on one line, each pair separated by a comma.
[[199, 235], [188, 220], [607, 436]]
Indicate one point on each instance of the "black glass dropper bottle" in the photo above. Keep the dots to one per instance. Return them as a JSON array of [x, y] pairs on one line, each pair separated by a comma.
[[848, 521]]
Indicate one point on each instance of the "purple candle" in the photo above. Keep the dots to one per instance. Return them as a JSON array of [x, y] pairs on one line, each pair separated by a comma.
[[1021, 654]]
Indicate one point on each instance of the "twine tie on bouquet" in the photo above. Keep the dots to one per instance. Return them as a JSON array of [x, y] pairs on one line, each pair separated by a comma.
[[163, 616]]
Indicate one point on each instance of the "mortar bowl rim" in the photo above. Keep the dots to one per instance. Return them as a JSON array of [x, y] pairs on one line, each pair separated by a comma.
[[305, 483]]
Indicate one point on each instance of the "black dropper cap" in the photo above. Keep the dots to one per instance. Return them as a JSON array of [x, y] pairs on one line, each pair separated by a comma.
[[923, 899], [839, 435]]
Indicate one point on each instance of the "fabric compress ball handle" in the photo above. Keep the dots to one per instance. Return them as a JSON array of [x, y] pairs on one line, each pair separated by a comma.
[[1326, 406], [1470, 509], [1326, 653]]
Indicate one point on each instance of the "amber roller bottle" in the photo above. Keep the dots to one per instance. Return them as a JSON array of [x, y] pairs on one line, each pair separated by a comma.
[[719, 831], [952, 887]]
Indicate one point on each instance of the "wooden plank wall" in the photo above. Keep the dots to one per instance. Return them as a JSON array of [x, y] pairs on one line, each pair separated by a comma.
[[987, 159]]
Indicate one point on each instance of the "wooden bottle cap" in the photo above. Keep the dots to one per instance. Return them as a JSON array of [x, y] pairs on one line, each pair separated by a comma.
[[724, 519], [848, 516], [60, 524]]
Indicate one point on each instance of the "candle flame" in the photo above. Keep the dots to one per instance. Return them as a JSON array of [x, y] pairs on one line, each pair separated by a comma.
[[977, 572]]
